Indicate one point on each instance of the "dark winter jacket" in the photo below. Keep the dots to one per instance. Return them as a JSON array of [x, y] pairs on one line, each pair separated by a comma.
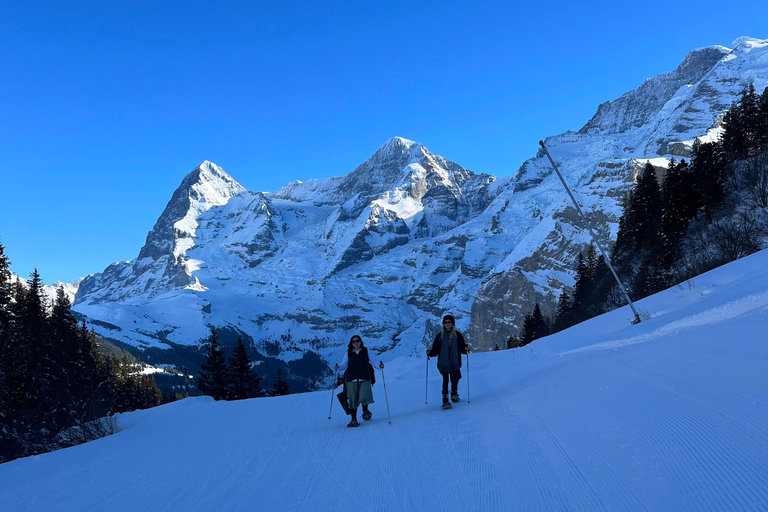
[[437, 345], [359, 366]]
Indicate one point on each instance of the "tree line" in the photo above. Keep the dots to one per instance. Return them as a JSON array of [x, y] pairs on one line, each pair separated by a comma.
[[698, 215], [236, 380], [57, 388]]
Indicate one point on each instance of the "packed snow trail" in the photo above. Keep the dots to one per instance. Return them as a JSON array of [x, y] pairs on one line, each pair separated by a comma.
[[671, 414]]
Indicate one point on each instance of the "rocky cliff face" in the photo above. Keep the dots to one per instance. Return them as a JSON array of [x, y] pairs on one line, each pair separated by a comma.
[[655, 122], [404, 238]]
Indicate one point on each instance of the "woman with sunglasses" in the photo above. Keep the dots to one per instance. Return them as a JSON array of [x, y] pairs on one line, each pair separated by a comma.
[[448, 347], [358, 377]]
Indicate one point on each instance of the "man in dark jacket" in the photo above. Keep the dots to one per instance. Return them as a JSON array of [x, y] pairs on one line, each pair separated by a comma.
[[448, 347]]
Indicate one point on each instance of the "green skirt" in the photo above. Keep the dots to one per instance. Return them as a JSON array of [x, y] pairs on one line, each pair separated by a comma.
[[359, 393]]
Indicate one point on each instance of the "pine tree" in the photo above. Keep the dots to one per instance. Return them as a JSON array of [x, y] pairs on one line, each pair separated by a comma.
[[750, 112], [244, 382], [212, 379], [708, 165], [527, 330], [534, 326], [540, 324], [513, 341], [280, 385], [734, 138], [646, 211], [5, 295], [680, 204], [762, 125], [563, 314]]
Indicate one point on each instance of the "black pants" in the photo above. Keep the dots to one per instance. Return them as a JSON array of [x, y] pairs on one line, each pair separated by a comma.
[[455, 375]]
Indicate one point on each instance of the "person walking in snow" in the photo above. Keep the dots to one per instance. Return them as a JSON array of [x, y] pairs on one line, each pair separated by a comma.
[[357, 377], [448, 347]]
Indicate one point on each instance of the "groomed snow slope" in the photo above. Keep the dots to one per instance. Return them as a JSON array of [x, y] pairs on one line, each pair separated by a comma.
[[671, 414]]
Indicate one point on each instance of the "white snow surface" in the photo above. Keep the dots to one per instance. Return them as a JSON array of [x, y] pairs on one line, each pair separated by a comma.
[[670, 414]]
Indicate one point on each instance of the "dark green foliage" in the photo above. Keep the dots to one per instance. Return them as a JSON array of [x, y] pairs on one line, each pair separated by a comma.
[[243, 381], [680, 205], [279, 385], [212, 379], [701, 217], [534, 326], [563, 317], [54, 381], [133, 390], [708, 171], [513, 341]]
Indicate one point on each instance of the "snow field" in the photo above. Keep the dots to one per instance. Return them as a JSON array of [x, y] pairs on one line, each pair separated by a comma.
[[671, 414]]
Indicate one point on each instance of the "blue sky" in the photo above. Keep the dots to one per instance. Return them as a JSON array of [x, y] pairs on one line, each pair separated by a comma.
[[107, 105]]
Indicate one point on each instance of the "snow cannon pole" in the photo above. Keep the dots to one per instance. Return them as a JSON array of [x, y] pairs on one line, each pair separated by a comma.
[[385, 395], [592, 233], [333, 391], [426, 384]]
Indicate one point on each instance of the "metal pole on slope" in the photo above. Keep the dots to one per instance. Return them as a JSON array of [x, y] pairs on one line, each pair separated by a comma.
[[426, 384], [594, 239], [385, 394], [333, 392]]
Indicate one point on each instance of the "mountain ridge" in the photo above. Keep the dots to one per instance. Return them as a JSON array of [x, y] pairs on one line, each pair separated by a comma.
[[404, 238]]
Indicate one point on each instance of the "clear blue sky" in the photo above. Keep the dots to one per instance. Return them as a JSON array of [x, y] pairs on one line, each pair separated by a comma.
[[107, 105]]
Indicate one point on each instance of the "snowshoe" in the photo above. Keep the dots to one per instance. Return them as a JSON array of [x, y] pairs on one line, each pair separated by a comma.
[[455, 397], [447, 405], [353, 423], [367, 415]]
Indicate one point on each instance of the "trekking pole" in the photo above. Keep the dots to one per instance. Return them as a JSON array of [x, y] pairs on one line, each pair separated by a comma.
[[467, 375], [426, 384], [333, 391], [385, 394]]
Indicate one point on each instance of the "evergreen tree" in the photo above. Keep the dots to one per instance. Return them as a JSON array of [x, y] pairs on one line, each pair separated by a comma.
[[646, 211], [708, 165], [534, 326], [527, 330], [244, 382], [563, 314], [540, 324], [734, 137], [762, 120], [212, 379], [280, 385], [680, 204], [5, 295], [513, 341]]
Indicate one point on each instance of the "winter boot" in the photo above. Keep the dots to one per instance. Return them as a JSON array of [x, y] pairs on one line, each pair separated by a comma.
[[455, 396], [446, 403], [366, 413], [354, 422]]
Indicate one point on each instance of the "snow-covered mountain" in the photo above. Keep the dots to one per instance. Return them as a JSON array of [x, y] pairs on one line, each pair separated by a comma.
[[406, 237], [50, 291], [667, 415]]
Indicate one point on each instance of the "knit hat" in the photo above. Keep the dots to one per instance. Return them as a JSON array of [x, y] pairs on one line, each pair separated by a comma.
[[449, 317]]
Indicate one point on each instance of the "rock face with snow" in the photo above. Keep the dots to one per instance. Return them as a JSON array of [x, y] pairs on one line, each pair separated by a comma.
[[406, 237]]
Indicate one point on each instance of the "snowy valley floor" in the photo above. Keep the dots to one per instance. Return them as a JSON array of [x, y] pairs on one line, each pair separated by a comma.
[[671, 414]]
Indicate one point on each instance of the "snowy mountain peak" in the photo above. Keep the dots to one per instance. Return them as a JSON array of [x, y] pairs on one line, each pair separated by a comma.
[[635, 108], [395, 146], [200, 190], [748, 42]]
